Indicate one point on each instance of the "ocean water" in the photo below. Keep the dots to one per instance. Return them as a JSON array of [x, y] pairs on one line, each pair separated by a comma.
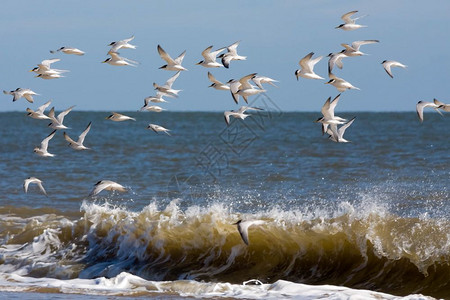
[[368, 219]]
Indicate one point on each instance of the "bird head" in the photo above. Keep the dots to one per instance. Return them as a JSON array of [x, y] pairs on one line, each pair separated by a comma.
[[340, 26], [297, 74], [34, 69], [163, 67], [237, 223], [200, 62], [331, 81], [318, 120], [106, 60]]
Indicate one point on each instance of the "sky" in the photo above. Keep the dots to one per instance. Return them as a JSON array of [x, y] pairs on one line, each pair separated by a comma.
[[274, 36]]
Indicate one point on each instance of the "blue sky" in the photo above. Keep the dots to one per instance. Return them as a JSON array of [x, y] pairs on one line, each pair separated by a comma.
[[274, 36]]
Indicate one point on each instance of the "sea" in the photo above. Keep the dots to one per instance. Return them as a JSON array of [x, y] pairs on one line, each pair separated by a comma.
[[368, 219]]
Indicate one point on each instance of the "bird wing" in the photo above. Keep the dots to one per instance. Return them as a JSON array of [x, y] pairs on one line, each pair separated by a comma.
[[326, 108], [333, 105], [29, 97], [419, 109], [84, 133], [172, 79], [244, 81], [26, 183], [227, 117], [42, 108], [180, 58], [41, 187], [64, 113], [45, 64], [213, 79], [165, 56], [69, 139], [44, 143], [347, 17], [387, 68], [342, 129], [304, 62], [232, 49], [357, 44]]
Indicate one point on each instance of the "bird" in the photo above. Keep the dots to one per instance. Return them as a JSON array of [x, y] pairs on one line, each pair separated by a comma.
[[210, 58], [388, 64], [336, 59], [328, 116], [39, 113], [106, 185], [125, 43], [78, 145], [422, 104], [349, 23], [243, 226], [158, 128], [20, 92], [234, 88], [340, 84], [259, 80], [307, 67], [167, 87], [231, 55], [353, 49], [68, 50], [172, 64], [57, 122], [34, 180], [337, 134], [154, 108], [239, 113], [441, 105], [42, 150], [158, 98], [217, 84], [44, 69], [246, 89], [116, 60], [116, 117]]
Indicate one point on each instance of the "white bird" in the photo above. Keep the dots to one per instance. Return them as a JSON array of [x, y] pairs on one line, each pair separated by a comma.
[[69, 50], [154, 108], [116, 60], [240, 114], [307, 67], [234, 88], [39, 113], [337, 134], [336, 59], [349, 23], [119, 117], [125, 43], [259, 80], [388, 64], [340, 84], [35, 180], [78, 145], [167, 87], [57, 123], [422, 104], [442, 105], [243, 226], [158, 128], [42, 150], [44, 69], [231, 55], [353, 49], [210, 58], [328, 114], [158, 98], [246, 89], [172, 64], [107, 185], [19, 93], [217, 84]]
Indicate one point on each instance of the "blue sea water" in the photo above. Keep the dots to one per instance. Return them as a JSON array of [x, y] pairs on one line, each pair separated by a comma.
[[370, 214]]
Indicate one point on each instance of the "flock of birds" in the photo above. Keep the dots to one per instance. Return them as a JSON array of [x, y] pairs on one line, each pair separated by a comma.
[[333, 125]]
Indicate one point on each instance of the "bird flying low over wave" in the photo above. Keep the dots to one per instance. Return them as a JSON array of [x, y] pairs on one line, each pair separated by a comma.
[[337, 134], [39, 113], [210, 58], [422, 104], [231, 55], [158, 128], [307, 67], [172, 64], [328, 116], [238, 114], [20, 92], [217, 84], [68, 50], [57, 123], [167, 87], [125, 43], [243, 226], [33, 180], [388, 64], [442, 105], [42, 150], [116, 117], [78, 145], [107, 185], [340, 84], [349, 23]]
